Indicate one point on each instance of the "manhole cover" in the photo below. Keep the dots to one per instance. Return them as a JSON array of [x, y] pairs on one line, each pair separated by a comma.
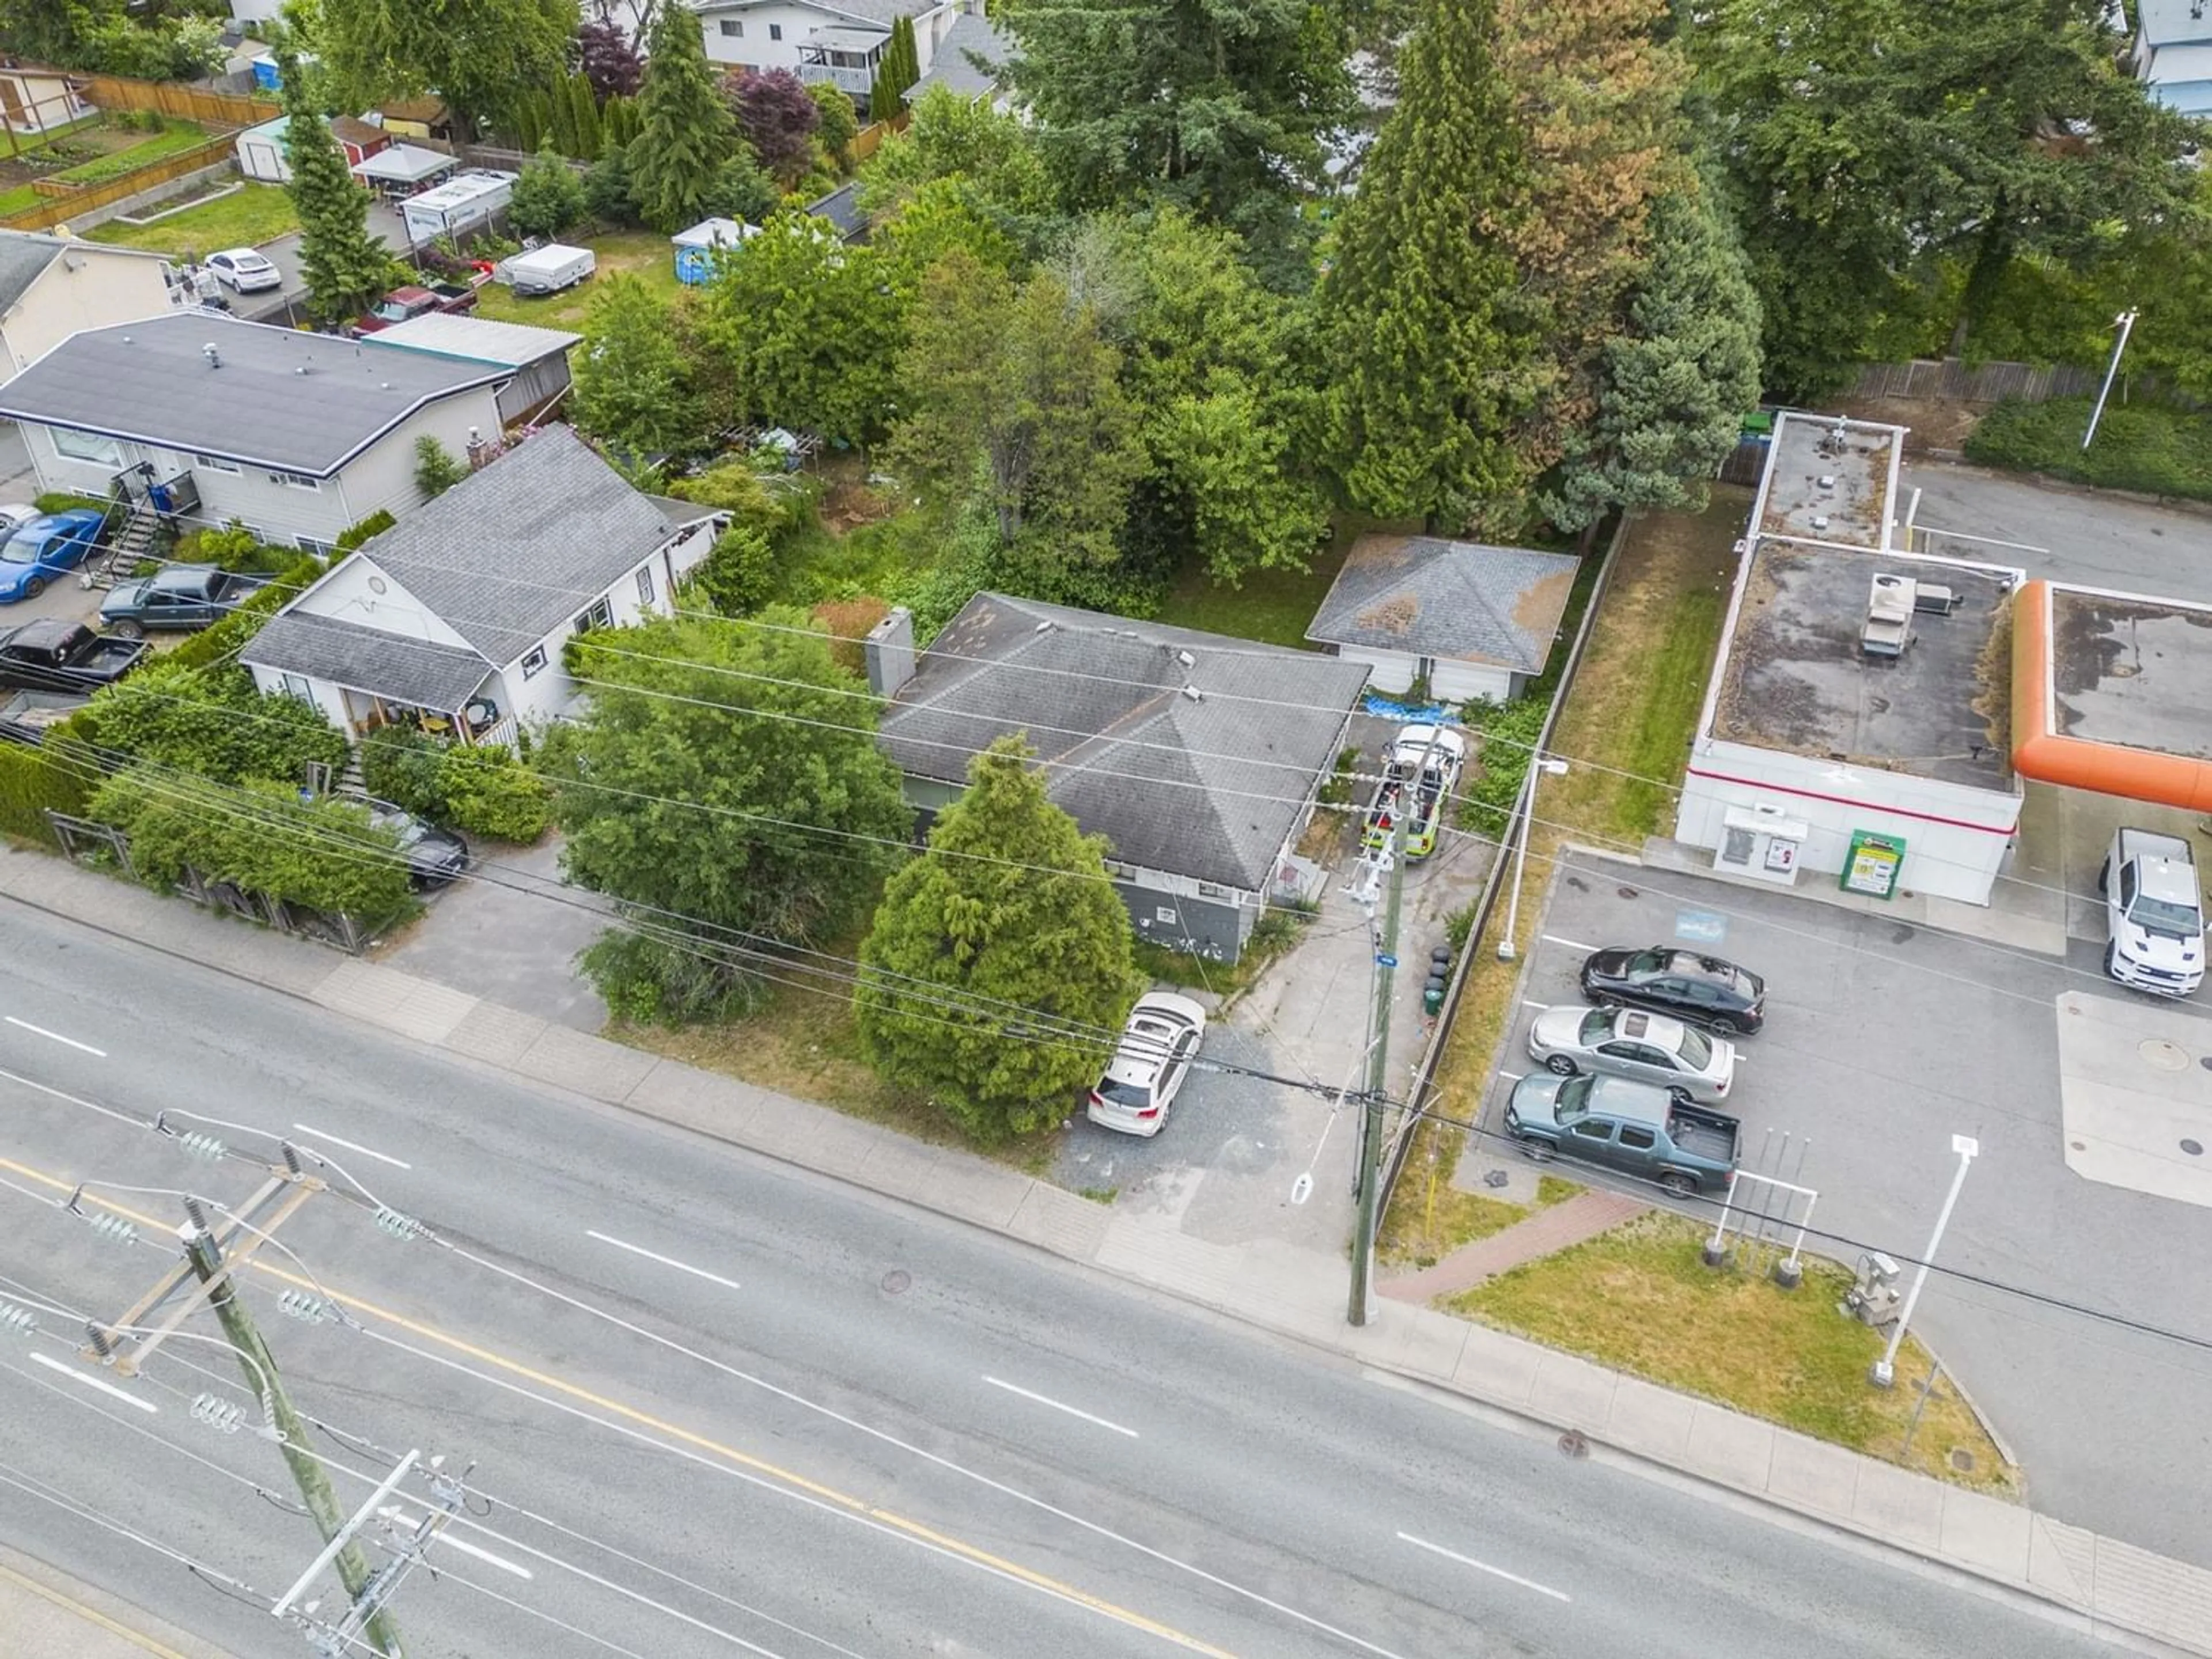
[[897, 1280], [1573, 1443], [2165, 1056], [2193, 1148], [1962, 1460]]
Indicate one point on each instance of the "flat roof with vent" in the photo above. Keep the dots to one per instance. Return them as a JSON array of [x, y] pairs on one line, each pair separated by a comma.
[[1829, 479]]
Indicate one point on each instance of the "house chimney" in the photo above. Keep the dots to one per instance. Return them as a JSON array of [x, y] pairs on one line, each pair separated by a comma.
[[889, 653]]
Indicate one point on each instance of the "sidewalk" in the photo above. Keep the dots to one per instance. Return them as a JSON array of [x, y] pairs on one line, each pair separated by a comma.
[[1546, 1233], [2105, 1584], [44, 1611]]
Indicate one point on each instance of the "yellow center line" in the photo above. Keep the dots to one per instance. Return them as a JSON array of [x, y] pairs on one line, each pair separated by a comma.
[[858, 1506], [91, 1615]]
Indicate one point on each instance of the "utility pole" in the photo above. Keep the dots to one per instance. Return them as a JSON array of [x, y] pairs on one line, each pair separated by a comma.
[[260, 1367], [2125, 322], [1378, 1070], [1883, 1373]]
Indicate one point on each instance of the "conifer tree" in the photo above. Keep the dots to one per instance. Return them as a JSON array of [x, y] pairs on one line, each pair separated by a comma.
[[345, 267], [686, 135]]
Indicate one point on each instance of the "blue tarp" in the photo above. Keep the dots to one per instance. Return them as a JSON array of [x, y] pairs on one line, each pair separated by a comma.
[[1414, 714]]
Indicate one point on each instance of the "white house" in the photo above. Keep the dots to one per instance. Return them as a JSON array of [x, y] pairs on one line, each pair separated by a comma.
[[35, 100], [297, 436], [840, 41], [52, 286], [2173, 54], [453, 619], [1463, 620]]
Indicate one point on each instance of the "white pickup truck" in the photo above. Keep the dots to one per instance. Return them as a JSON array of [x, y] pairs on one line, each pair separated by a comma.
[[2154, 912]]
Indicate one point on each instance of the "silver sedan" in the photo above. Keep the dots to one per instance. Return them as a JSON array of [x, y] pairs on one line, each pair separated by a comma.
[[1630, 1042]]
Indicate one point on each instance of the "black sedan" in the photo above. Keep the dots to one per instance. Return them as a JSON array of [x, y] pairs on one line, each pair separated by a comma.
[[433, 856], [1703, 990]]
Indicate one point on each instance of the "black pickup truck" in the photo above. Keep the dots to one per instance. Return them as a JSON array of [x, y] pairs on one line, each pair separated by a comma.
[[49, 655], [1638, 1128], [26, 717]]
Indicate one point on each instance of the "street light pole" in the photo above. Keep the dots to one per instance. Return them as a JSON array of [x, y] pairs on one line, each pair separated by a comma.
[[2126, 322], [1538, 762], [1884, 1372]]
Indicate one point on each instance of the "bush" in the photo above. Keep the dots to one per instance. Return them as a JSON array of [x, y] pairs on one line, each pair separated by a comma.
[[2141, 447], [61, 500], [32, 781], [437, 468], [652, 981], [736, 488], [233, 547], [212, 723], [488, 793], [1505, 731], [548, 196], [739, 576], [406, 768], [354, 535]]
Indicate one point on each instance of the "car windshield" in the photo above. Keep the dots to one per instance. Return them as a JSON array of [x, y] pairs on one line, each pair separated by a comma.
[[1697, 1049], [409, 831], [1597, 1025], [2163, 916], [1124, 1094], [19, 550], [1647, 962], [1572, 1101]]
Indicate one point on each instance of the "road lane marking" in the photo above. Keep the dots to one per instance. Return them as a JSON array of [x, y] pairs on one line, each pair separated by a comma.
[[1539, 1006], [41, 1030], [743, 1464], [407, 1522], [665, 1261], [1485, 1566], [91, 1382], [1040, 1399], [381, 1158], [1572, 944], [90, 1615], [76, 1100]]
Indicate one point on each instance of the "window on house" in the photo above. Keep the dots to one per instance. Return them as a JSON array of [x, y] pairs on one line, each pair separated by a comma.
[[1210, 890], [75, 446], [733, 28], [316, 545], [295, 686], [644, 584], [295, 481], [533, 663], [601, 615], [214, 463], [775, 31]]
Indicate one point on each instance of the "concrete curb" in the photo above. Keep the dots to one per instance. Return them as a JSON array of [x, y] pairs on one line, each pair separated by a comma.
[[2107, 1585]]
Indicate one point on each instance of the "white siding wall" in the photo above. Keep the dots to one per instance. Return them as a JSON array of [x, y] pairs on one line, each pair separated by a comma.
[[325, 697], [345, 596], [1394, 671], [1456, 682], [383, 475], [106, 287], [797, 22], [1956, 837]]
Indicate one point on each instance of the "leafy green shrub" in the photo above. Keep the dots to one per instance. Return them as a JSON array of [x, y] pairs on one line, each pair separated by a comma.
[[224, 641], [2141, 447], [738, 488], [212, 723], [354, 535], [739, 576], [1506, 731], [32, 780], [232, 547], [488, 793], [61, 500], [651, 981], [408, 768]]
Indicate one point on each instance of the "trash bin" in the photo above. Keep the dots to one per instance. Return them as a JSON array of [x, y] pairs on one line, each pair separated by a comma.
[[1433, 995]]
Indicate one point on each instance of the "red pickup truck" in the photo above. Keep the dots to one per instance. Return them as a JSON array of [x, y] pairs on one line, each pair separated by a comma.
[[417, 300]]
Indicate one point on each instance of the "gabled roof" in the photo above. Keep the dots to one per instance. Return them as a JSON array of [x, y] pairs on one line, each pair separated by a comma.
[[972, 37], [1428, 597], [840, 210], [1208, 788], [25, 255], [513, 550], [273, 396], [419, 672]]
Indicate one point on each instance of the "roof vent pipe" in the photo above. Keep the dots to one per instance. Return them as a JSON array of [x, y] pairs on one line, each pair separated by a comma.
[[214, 357]]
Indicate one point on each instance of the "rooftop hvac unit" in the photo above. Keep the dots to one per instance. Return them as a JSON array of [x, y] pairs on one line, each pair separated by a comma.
[[1889, 616], [1932, 600]]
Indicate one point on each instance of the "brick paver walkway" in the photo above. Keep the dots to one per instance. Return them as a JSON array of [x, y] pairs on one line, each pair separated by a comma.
[[1551, 1229]]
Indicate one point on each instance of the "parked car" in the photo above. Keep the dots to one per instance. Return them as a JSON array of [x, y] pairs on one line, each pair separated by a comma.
[[181, 596], [416, 299], [26, 717], [1631, 1044], [1637, 1129], [1703, 990], [52, 655], [14, 515], [244, 271], [2153, 913], [43, 548], [434, 856], [1147, 1071]]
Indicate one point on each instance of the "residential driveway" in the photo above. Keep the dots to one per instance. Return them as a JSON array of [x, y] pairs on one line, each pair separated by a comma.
[[2085, 536], [510, 934], [1885, 1038], [282, 306]]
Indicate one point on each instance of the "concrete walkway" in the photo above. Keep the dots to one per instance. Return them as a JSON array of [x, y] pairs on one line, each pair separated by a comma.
[[1546, 1233], [2098, 1584], [43, 1611]]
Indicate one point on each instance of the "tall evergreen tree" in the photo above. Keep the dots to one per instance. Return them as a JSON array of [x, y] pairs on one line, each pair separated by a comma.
[[1430, 345], [997, 955], [686, 137], [344, 266], [584, 117], [902, 62], [1676, 386]]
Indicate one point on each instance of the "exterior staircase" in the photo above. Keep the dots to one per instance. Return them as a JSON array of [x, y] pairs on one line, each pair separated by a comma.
[[133, 541]]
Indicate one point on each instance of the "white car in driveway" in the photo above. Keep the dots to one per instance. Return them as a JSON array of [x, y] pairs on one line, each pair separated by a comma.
[[1631, 1044], [244, 271], [14, 515], [1147, 1071]]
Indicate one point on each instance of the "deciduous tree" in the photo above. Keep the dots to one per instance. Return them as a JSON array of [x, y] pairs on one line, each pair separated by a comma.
[[777, 119], [998, 958], [633, 387], [687, 138], [683, 791], [548, 196], [609, 60], [478, 55], [839, 124]]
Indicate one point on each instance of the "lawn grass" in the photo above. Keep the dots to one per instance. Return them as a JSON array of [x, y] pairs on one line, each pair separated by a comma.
[[248, 217], [1430, 1217], [1640, 1299], [643, 253], [132, 152], [1274, 606]]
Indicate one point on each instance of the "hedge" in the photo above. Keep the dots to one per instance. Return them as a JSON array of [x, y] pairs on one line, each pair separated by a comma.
[[32, 781], [480, 791], [2147, 448]]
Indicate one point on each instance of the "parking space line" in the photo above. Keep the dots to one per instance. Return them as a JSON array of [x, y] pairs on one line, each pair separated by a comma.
[[1572, 944], [1485, 1566], [1041, 1399]]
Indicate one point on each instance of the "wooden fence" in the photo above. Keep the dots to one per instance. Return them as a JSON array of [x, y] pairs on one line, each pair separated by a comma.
[[64, 201], [1956, 381], [193, 103]]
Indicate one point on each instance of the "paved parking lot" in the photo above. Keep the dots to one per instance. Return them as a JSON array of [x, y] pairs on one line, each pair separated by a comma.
[[1883, 1039]]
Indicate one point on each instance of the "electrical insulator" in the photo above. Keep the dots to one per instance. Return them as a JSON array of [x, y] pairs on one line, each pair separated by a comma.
[[16, 1322], [199, 1145], [98, 1339], [114, 1229], [399, 1225], [216, 1412], [313, 1309]]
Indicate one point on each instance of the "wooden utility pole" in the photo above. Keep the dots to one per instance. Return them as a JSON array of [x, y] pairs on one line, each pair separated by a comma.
[[1378, 1072]]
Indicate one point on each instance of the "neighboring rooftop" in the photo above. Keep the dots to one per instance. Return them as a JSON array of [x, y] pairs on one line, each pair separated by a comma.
[[882, 12], [1207, 786], [2132, 672], [1829, 479], [1458, 600], [25, 255], [2175, 22], [972, 38], [840, 210], [476, 339], [1794, 677], [269, 397], [421, 673]]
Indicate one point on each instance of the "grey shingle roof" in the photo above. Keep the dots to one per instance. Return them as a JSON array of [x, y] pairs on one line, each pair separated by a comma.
[[841, 210], [508, 553], [953, 69], [1458, 600], [387, 665], [150, 382], [1208, 789]]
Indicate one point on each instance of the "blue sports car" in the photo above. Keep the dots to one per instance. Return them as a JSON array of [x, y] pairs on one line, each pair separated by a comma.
[[44, 548]]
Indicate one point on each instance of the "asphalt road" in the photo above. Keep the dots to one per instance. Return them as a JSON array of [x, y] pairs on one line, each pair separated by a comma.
[[2085, 536], [715, 1406]]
